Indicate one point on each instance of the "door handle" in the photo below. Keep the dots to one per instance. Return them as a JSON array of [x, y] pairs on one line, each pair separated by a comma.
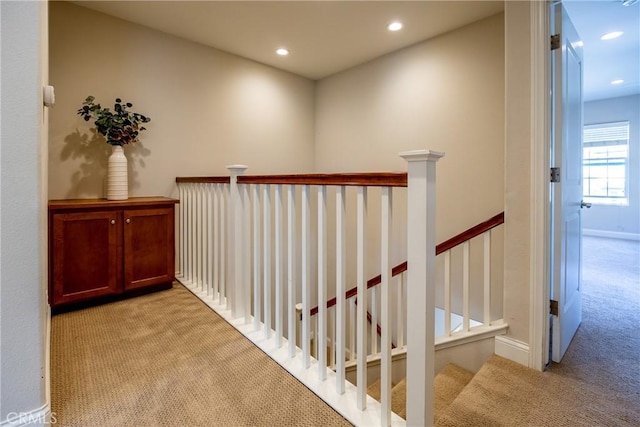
[[584, 204]]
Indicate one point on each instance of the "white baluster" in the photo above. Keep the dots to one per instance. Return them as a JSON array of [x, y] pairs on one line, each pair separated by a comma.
[[246, 253], [373, 310], [224, 189], [279, 280], [361, 316], [385, 303], [203, 239], [447, 292], [306, 276], [210, 237], [322, 282], [266, 260], [465, 286], [230, 270], [487, 278], [399, 310], [291, 268], [181, 223], [193, 233], [341, 279], [352, 329], [216, 241], [331, 317], [198, 281], [421, 285], [257, 289], [238, 291]]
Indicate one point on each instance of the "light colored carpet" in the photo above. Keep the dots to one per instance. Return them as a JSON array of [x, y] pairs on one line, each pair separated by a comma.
[[504, 393], [598, 381], [166, 359], [448, 383], [605, 351]]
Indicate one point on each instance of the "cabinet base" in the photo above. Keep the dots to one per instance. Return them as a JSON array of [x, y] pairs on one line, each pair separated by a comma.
[[64, 308]]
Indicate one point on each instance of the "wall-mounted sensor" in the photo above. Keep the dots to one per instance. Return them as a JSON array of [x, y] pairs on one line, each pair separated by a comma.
[[48, 96]]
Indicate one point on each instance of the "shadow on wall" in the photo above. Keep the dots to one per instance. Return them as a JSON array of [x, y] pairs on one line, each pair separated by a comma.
[[90, 180]]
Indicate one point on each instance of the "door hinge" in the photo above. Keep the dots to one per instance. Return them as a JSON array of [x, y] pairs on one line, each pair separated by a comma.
[[555, 175], [553, 307], [555, 41]]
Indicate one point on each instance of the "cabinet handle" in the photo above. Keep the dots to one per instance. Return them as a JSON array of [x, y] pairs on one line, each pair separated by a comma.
[[128, 221], [113, 221]]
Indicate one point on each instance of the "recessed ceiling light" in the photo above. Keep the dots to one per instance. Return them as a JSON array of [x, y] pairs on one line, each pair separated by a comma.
[[629, 2], [612, 35], [282, 51], [617, 82], [394, 26]]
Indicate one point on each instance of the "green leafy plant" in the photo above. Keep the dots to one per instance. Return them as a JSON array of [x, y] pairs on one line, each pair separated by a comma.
[[119, 126]]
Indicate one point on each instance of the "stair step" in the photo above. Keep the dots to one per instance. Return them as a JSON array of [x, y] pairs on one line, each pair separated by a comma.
[[447, 384], [398, 396], [505, 393]]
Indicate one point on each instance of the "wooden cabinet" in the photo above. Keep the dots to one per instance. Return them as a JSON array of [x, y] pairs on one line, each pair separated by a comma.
[[99, 248]]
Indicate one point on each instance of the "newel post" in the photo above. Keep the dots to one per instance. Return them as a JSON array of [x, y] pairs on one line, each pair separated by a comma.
[[421, 243], [236, 253]]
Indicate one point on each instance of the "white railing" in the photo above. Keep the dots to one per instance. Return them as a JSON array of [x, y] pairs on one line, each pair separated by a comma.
[[240, 252], [256, 255], [454, 283]]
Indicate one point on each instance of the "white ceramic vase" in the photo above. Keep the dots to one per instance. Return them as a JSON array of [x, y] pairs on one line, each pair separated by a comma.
[[117, 175]]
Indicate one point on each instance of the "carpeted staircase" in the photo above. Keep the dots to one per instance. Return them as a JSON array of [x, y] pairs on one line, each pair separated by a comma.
[[448, 384], [504, 393]]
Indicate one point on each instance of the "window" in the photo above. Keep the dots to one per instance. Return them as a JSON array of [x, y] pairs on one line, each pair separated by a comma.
[[604, 164]]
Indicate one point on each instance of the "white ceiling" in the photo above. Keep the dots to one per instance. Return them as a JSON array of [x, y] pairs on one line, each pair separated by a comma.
[[326, 37], [605, 61]]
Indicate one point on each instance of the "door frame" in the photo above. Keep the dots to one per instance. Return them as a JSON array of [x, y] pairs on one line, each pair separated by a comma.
[[540, 206]]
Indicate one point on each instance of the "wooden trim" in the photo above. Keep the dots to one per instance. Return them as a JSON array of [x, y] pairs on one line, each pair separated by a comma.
[[203, 180], [469, 234], [56, 205], [375, 281], [374, 179], [378, 328]]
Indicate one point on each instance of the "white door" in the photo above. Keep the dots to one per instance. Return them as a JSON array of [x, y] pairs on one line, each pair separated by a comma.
[[567, 193]]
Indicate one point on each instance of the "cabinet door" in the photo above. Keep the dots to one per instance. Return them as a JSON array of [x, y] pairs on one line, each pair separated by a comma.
[[84, 256], [148, 247]]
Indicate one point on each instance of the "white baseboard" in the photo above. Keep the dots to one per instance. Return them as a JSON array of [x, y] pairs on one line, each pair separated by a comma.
[[37, 417], [611, 234], [511, 349]]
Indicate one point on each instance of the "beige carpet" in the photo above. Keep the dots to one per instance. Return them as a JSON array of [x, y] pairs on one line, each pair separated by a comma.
[[447, 385], [605, 351], [504, 393], [165, 359]]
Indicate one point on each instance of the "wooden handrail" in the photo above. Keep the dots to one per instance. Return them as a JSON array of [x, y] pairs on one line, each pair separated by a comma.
[[469, 234], [203, 180], [371, 179], [456, 240], [375, 281], [374, 179]]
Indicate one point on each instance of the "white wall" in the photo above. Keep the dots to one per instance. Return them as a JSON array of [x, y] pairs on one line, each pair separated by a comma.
[[618, 219], [208, 108], [23, 307], [444, 94], [518, 173]]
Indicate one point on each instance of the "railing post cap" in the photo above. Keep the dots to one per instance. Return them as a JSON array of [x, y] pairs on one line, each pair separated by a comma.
[[421, 155], [237, 168]]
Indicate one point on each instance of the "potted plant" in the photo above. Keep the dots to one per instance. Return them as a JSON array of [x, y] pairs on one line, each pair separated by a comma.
[[120, 127]]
